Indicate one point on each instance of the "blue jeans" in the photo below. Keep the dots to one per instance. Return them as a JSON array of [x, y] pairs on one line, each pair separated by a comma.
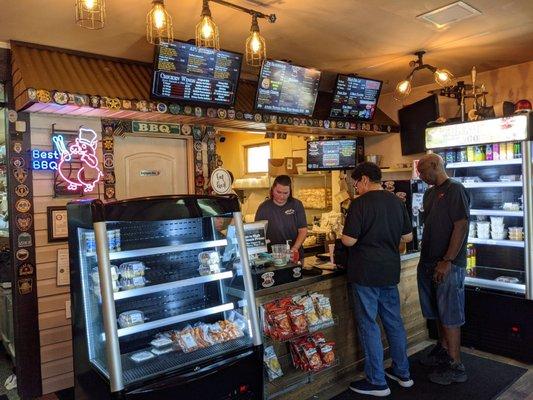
[[371, 301]]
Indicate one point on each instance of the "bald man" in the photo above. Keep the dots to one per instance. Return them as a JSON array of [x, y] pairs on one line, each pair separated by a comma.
[[442, 267]]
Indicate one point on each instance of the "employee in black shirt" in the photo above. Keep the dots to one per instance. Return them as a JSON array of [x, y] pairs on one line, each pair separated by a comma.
[[441, 272], [376, 223]]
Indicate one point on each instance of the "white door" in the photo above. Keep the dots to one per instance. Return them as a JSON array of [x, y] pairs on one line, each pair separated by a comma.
[[150, 166]]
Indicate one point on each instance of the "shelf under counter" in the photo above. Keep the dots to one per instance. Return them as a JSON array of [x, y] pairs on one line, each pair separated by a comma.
[[495, 285], [493, 242], [118, 255], [126, 294], [475, 164]]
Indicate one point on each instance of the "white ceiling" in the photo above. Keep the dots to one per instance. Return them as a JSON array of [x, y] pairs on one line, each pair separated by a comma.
[[373, 38]]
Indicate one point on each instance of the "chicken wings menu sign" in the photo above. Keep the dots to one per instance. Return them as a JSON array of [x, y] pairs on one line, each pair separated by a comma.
[[196, 74]]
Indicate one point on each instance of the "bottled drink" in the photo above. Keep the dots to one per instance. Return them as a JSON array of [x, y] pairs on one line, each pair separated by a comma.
[[450, 156], [470, 154], [517, 150], [510, 151], [496, 151], [503, 151], [479, 153], [462, 155], [488, 152]]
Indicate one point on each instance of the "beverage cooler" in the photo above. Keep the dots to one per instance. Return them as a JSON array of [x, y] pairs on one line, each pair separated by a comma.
[[493, 160], [152, 316]]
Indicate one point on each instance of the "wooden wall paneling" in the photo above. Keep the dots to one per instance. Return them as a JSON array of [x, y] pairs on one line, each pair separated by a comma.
[[46, 271], [57, 367], [56, 351], [57, 383], [48, 287], [53, 319], [45, 254], [40, 221], [55, 335], [53, 303]]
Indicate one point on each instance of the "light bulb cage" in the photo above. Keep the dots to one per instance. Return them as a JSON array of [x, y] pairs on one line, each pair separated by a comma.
[[90, 18], [155, 35], [212, 42], [255, 58]]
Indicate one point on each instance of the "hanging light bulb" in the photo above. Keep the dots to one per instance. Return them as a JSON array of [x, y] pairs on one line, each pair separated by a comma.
[[207, 30], [255, 45], [403, 88], [90, 14], [443, 77], [159, 24]]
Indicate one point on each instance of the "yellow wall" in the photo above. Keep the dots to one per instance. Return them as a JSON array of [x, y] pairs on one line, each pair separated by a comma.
[[232, 149], [510, 83]]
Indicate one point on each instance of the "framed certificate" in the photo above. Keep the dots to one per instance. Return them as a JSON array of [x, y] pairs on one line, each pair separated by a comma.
[[57, 224]]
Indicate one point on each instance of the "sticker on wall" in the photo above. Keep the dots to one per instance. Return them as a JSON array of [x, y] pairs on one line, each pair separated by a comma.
[[239, 115], [12, 116], [43, 96], [26, 269], [23, 221], [162, 108], [25, 285], [17, 147], [109, 192], [174, 108], [142, 105], [186, 129], [198, 111], [95, 101], [113, 103], [222, 113], [258, 117], [22, 254], [81, 100], [18, 162], [24, 240], [231, 113], [273, 119], [32, 94], [22, 205], [107, 144], [187, 110], [211, 112], [268, 279], [21, 174], [60, 98], [109, 178], [109, 161]]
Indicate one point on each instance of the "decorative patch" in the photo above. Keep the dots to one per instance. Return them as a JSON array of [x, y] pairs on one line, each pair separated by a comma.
[[12, 116], [113, 103], [198, 146], [24, 221], [22, 190], [18, 162], [290, 211], [43, 96], [162, 108], [126, 104], [20, 174], [248, 116], [186, 129], [81, 100], [22, 254], [239, 115], [198, 168], [23, 205], [273, 119], [32, 94], [198, 112], [174, 108], [222, 113], [109, 178], [109, 161], [24, 240], [199, 181], [197, 133], [17, 147], [258, 117], [188, 110], [25, 285], [109, 192], [231, 113], [211, 112], [95, 101], [107, 144], [296, 272], [268, 279], [198, 156], [60, 98], [26, 269], [142, 106]]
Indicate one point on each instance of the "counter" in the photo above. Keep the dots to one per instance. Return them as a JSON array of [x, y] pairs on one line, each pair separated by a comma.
[[298, 385]]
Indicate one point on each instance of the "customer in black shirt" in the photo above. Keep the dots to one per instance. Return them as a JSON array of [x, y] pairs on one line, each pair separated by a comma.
[[441, 272], [375, 224]]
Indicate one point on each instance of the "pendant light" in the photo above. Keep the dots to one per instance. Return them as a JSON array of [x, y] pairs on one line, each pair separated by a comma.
[[90, 14], [255, 45], [159, 24], [207, 30]]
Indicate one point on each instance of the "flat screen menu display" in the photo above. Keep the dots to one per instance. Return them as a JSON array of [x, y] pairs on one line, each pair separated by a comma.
[[355, 98], [287, 89], [331, 154], [195, 74]]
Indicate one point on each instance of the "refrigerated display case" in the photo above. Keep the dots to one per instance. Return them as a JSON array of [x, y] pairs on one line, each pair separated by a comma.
[[152, 316], [499, 284]]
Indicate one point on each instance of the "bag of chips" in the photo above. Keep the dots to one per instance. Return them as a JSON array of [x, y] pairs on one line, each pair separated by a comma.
[[272, 364]]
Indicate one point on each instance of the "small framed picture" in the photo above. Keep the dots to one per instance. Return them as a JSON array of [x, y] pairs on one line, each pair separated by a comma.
[[57, 224]]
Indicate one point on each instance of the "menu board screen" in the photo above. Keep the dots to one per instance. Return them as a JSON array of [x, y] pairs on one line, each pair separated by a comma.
[[287, 89], [185, 72], [331, 154], [355, 98]]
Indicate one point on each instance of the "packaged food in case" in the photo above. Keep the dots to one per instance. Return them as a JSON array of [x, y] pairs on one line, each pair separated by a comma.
[[141, 356], [161, 342], [312, 358], [131, 318], [186, 340], [323, 307], [89, 240], [298, 320], [272, 364], [165, 350], [309, 310], [327, 353], [132, 269], [132, 283]]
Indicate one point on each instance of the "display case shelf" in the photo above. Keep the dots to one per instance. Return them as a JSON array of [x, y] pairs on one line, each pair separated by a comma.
[[495, 285], [492, 242], [126, 294], [475, 185], [119, 255], [497, 213], [174, 320], [475, 164]]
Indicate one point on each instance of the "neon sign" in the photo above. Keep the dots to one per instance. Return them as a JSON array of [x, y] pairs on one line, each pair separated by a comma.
[[82, 150], [44, 160]]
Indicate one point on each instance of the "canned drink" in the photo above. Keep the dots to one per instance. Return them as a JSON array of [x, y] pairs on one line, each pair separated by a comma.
[[479, 153], [517, 150], [450, 156], [90, 243], [503, 151], [462, 155], [496, 151], [510, 151], [118, 242], [488, 152], [470, 154], [111, 240]]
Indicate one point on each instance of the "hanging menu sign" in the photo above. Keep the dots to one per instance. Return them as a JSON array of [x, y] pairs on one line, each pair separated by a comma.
[[197, 74], [509, 129], [286, 88]]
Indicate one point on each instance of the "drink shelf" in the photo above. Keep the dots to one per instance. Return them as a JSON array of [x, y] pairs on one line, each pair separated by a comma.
[[118, 255], [493, 242], [126, 294], [497, 213], [475, 185], [471, 164], [496, 285]]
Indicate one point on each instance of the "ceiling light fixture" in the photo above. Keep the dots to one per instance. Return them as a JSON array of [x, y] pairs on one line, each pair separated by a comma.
[[90, 14], [207, 30], [255, 45], [159, 24], [442, 76]]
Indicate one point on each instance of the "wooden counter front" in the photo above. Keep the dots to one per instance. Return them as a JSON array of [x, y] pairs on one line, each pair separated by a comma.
[[298, 385]]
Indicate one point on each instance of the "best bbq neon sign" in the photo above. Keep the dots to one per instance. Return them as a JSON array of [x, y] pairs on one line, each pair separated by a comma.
[[44, 160]]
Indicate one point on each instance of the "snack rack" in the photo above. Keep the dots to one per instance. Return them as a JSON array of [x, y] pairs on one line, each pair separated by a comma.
[[152, 316]]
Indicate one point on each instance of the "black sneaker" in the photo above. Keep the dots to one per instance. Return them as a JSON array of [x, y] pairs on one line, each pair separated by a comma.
[[449, 373], [438, 355], [404, 382], [364, 387]]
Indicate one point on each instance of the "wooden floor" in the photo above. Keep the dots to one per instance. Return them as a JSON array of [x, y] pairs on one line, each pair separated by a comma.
[[522, 389]]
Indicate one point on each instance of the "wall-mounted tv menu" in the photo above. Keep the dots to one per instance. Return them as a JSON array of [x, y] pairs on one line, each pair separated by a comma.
[[355, 97], [331, 154], [184, 72], [287, 89]]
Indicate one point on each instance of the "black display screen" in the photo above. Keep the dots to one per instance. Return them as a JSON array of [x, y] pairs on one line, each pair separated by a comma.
[[331, 154], [287, 89], [355, 98], [195, 74], [413, 120]]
